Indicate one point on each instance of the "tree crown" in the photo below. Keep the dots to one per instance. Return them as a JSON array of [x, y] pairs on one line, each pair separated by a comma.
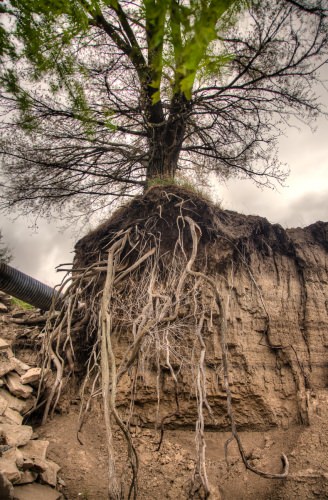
[[105, 95]]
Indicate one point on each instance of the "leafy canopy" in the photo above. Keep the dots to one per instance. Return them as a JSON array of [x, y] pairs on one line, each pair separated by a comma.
[[179, 37], [99, 97]]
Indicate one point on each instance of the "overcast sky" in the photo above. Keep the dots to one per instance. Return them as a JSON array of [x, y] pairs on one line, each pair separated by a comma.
[[305, 198], [37, 251]]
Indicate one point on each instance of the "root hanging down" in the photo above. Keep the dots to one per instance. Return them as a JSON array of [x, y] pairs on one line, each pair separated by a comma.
[[142, 304]]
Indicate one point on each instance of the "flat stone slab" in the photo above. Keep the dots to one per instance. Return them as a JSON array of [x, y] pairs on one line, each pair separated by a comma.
[[13, 416], [16, 387], [32, 375], [16, 435], [35, 449], [20, 405], [8, 466], [3, 405], [6, 363], [49, 476], [36, 492], [4, 344], [27, 477], [20, 366], [34, 455]]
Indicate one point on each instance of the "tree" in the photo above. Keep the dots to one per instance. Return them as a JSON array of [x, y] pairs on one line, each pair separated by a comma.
[[5, 254], [99, 98]]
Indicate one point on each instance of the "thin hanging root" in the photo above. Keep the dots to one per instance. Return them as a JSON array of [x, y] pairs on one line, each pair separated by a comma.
[[201, 392], [223, 328], [108, 364], [109, 373], [56, 386]]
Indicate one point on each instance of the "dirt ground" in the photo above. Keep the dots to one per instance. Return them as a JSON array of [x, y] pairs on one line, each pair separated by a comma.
[[166, 473]]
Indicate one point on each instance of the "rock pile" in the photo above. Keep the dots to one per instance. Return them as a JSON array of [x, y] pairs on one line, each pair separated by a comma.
[[25, 471]]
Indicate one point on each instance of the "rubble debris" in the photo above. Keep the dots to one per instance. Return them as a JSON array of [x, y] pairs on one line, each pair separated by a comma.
[[28, 477], [20, 405], [35, 449], [23, 457], [20, 367], [3, 308], [13, 416], [6, 364], [3, 405], [5, 299], [49, 476]]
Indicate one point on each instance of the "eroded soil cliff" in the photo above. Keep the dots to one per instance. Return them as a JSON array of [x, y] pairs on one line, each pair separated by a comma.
[[274, 288]]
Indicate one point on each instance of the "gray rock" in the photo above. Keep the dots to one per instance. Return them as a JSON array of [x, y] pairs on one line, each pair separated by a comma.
[[15, 435], [20, 405], [6, 488], [8, 466], [36, 492], [16, 387], [49, 476]]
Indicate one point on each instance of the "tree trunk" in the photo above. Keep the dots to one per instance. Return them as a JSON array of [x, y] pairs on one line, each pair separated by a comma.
[[165, 140]]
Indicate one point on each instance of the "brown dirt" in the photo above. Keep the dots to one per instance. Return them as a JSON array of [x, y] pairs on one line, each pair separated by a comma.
[[166, 473]]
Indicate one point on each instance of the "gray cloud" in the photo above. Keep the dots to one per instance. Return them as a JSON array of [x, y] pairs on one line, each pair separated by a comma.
[[304, 199], [37, 251]]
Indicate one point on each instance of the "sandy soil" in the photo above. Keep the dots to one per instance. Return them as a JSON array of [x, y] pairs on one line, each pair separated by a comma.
[[166, 473]]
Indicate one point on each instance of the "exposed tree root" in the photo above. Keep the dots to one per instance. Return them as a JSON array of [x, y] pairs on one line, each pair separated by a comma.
[[149, 299]]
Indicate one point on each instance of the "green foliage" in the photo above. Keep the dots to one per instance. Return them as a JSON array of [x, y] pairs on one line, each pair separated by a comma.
[[182, 182], [160, 181], [178, 36], [40, 34], [21, 304], [193, 30]]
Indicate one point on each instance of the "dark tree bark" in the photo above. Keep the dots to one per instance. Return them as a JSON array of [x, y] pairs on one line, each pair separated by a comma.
[[165, 138]]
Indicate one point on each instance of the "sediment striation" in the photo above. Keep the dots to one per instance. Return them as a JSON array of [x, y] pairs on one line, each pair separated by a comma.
[[273, 283]]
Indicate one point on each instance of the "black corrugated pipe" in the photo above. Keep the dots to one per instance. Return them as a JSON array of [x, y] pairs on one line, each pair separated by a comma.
[[28, 289]]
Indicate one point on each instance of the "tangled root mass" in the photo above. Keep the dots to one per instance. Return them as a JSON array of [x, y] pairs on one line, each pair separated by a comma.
[[143, 280]]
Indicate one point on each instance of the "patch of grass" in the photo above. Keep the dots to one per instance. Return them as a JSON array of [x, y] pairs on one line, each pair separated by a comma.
[[21, 303], [182, 182], [159, 181]]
